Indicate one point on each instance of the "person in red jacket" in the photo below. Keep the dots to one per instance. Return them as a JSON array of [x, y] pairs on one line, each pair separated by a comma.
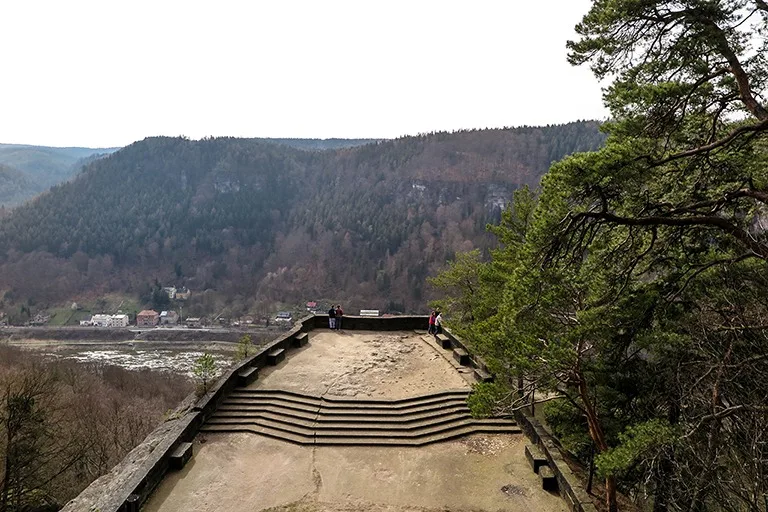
[[339, 316], [431, 328]]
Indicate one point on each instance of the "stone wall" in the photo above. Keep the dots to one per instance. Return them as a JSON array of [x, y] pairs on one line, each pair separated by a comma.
[[129, 484]]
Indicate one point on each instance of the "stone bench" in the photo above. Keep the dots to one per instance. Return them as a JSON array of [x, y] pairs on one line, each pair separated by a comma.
[[548, 478], [461, 356], [181, 455], [445, 341], [276, 356], [247, 375], [300, 340], [535, 458], [483, 376]]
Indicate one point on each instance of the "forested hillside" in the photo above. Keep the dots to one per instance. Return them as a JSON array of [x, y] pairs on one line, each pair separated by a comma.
[[33, 169], [15, 187], [255, 221]]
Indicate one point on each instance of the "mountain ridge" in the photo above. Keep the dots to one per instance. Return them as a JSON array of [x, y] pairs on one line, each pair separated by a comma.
[[259, 222]]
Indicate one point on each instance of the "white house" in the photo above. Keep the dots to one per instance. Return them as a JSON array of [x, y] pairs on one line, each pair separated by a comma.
[[117, 321], [100, 320], [283, 316]]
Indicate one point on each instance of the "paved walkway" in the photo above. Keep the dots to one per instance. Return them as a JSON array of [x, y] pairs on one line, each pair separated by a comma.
[[245, 472]]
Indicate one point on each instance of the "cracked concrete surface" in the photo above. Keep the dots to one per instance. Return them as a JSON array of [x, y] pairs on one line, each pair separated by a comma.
[[246, 472], [364, 365]]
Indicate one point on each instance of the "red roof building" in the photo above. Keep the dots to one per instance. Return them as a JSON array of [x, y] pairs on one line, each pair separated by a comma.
[[147, 318]]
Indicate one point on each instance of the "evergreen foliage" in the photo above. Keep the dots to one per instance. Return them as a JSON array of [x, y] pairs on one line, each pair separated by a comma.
[[631, 298]]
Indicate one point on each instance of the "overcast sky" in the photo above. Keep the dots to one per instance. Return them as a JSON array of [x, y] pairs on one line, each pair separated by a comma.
[[104, 73]]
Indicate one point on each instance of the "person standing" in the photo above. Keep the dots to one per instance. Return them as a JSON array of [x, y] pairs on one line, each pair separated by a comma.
[[438, 323], [339, 316], [332, 317], [431, 328]]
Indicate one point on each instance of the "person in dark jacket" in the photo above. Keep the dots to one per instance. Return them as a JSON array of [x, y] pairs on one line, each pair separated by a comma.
[[332, 317]]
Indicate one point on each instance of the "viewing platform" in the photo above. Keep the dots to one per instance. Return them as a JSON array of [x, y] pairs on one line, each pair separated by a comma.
[[355, 420]]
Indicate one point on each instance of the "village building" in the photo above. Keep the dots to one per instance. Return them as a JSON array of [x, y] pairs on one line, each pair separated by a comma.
[[283, 316], [147, 318], [194, 322], [183, 293], [100, 320], [171, 291], [169, 318], [117, 321]]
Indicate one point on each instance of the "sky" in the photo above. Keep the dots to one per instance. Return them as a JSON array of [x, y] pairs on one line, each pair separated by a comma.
[[103, 73]]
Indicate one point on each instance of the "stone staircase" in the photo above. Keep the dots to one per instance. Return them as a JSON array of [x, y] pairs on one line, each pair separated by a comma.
[[339, 421]]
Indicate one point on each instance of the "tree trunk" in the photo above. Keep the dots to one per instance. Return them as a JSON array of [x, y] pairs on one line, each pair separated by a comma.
[[610, 494], [5, 487], [598, 437]]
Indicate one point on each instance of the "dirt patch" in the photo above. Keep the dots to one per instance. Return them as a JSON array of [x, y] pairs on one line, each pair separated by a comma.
[[487, 445]]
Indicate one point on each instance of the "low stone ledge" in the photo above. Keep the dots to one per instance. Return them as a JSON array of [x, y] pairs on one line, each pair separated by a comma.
[[461, 356], [300, 340], [568, 484], [181, 455], [445, 341], [247, 375], [276, 356], [535, 458]]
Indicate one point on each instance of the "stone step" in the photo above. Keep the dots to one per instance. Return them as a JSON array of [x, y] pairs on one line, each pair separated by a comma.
[[255, 429], [241, 396], [321, 426], [291, 406], [254, 411], [307, 429], [341, 400], [416, 441], [235, 411], [323, 409], [276, 356], [356, 440]]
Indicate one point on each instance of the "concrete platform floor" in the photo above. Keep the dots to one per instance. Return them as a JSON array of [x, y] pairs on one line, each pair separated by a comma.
[[364, 364], [247, 473]]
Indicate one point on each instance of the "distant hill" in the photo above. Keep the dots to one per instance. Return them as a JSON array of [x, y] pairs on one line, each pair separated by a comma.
[[41, 167], [15, 186], [257, 222]]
